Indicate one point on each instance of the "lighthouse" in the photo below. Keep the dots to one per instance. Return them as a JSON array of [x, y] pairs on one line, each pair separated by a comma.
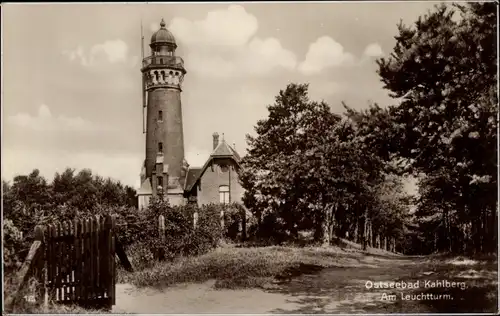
[[164, 168]]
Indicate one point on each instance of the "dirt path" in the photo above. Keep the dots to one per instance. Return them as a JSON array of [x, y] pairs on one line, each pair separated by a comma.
[[332, 290]]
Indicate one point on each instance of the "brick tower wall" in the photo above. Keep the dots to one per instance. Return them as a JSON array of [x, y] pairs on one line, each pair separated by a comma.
[[169, 131]]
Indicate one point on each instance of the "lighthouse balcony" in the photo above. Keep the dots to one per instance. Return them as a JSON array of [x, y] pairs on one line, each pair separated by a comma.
[[162, 61]]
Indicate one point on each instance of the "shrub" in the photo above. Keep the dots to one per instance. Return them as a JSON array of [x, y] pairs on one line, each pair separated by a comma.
[[233, 221], [12, 246], [269, 232], [140, 255], [140, 232]]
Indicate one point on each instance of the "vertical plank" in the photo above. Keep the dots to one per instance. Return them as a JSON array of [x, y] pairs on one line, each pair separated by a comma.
[[83, 275], [71, 263], [88, 261], [77, 230], [103, 257], [53, 262], [91, 257], [113, 261], [105, 260], [67, 248], [96, 257], [64, 255], [66, 265], [59, 260], [49, 258], [109, 258]]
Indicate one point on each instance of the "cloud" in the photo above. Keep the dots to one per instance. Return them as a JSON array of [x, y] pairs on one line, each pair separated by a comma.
[[324, 53], [230, 27], [373, 50], [112, 51], [223, 45], [45, 121]]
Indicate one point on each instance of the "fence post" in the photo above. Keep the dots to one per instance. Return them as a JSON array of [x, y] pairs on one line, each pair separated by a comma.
[[161, 231], [161, 228], [195, 219], [222, 219]]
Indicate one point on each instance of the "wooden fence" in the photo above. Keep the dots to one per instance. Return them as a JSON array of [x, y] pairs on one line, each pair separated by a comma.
[[75, 262], [81, 262]]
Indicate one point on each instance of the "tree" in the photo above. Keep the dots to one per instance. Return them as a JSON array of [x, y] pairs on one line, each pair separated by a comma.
[[312, 169], [31, 200], [381, 212], [275, 172], [444, 73]]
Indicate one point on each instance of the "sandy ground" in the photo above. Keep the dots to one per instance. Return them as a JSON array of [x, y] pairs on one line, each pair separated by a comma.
[[332, 290]]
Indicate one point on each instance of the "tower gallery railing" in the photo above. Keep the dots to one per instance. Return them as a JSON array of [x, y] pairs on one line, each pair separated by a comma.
[[172, 61]]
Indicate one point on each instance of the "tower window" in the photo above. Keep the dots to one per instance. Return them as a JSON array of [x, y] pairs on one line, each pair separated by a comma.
[[160, 148], [159, 181], [224, 194], [160, 116]]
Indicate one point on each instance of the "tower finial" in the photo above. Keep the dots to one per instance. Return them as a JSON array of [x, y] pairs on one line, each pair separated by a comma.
[[162, 23]]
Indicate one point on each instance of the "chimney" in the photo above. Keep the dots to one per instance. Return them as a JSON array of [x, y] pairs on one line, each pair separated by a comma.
[[216, 140]]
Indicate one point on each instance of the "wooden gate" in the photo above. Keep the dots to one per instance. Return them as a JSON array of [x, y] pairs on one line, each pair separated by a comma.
[[81, 262]]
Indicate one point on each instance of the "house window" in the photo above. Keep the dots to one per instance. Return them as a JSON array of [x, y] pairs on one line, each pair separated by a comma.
[[160, 148], [160, 116], [224, 194]]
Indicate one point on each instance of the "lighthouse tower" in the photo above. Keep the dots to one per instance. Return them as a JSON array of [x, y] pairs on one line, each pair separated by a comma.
[[164, 167]]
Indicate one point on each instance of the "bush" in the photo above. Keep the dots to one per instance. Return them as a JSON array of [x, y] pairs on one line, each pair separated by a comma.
[[140, 232], [12, 246], [140, 255], [269, 232], [233, 221]]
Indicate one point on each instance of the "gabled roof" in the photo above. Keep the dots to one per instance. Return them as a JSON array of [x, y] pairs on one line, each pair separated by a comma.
[[145, 188], [223, 150], [191, 178]]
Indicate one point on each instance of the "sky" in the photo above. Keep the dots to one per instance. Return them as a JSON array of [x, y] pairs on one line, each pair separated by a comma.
[[72, 81]]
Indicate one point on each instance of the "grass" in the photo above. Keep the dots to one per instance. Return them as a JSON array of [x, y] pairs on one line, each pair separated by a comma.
[[27, 308], [24, 307], [234, 268]]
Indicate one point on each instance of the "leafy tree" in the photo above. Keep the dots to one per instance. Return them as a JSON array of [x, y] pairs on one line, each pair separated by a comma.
[[308, 168], [30, 200], [444, 72], [273, 170]]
